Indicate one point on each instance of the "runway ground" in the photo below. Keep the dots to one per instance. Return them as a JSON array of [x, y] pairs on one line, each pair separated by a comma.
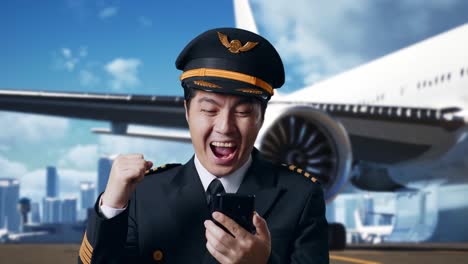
[[397, 253]]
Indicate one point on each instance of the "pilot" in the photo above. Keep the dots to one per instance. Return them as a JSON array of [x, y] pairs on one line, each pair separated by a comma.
[[161, 215]]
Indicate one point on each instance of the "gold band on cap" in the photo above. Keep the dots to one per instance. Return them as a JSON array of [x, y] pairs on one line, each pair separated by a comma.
[[201, 72]]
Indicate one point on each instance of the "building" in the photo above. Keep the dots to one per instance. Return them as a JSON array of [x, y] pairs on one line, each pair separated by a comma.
[[68, 210], [52, 182], [9, 195], [104, 168], [87, 193], [51, 210], [35, 215]]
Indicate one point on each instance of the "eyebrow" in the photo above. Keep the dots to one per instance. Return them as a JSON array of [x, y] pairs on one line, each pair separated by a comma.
[[209, 100], [249, 101], [243, 101]]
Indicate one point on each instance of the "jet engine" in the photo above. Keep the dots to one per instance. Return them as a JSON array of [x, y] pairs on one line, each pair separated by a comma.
[[313, 141]]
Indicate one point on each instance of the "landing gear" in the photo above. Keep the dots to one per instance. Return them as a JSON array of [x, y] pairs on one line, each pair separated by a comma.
[[336, 236]]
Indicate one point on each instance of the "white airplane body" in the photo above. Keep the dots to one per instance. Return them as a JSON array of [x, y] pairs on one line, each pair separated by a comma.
[[430, 74]]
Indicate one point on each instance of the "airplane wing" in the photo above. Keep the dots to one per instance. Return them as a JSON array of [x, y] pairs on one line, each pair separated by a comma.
[[364, 123], [121, 110], [393, 134]]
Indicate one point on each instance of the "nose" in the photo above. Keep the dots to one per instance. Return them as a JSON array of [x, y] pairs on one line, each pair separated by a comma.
[[225, 123]]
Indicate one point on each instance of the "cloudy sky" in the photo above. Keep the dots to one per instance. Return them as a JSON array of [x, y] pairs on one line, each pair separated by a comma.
[[122, 47]]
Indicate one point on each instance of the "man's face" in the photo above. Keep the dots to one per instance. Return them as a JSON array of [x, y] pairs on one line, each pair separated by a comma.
[[223, 130]]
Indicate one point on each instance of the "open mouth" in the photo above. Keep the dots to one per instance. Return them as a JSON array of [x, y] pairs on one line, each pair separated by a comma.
[[223, 150]]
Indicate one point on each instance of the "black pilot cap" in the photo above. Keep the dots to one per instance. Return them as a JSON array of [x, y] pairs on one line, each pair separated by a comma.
[[232, 61]]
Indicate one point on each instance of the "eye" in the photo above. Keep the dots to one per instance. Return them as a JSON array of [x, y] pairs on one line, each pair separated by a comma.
[[243, 113], [208, 111], [243, 110]]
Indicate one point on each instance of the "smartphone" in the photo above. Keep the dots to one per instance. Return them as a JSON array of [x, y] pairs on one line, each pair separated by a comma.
[[239, 208]]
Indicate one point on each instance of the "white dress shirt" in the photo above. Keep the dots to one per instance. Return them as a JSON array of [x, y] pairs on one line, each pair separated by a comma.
[[231, 184]]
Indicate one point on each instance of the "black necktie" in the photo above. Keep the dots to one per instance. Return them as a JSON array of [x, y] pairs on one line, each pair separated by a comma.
[[214, 188]]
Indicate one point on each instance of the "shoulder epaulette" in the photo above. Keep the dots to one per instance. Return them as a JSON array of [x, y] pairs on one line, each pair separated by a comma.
[[301, 172], [161, 168]]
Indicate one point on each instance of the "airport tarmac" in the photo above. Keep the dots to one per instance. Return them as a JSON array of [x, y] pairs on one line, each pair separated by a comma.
[[397, 253]]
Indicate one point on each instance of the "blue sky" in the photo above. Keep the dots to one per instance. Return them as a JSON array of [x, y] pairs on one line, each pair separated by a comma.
[[131, 47]]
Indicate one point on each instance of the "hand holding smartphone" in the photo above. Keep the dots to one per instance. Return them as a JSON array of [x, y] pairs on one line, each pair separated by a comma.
[[239, 208]]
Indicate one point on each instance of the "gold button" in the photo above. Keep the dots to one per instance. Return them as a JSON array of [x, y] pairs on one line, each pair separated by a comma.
[[158, 255]]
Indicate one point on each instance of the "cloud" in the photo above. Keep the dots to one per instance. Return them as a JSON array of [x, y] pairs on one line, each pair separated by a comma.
[[30, 128], [80, 157], [66, 53], [66, 60], [145, 21], [318, 39], [88, 79], [11, 169], [124, 72], [69, 62], [108, 12], [303, 35]]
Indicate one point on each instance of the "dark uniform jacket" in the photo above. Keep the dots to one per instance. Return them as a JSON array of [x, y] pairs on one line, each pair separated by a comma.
[[163, 222]]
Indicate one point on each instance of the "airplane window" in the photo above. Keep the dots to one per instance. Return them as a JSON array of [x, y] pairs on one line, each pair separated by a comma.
[[436, 80], [429, 83], [462, 71], [418, 85], [442, 78], [424, 84], [448, 76]]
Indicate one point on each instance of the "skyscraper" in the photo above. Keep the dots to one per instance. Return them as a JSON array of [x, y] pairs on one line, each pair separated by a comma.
[[35, 216], [51, 210], [52, 182], [9, 196], [104, 167], [87, 191], [68, 211]]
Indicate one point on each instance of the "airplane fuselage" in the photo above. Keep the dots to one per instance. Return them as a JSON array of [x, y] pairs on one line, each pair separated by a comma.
[[431, 74]]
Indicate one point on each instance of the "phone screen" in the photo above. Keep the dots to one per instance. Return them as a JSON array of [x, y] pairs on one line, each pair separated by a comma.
[[238, 207]]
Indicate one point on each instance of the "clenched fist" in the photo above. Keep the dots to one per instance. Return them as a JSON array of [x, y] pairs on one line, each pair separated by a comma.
[[127, 171]]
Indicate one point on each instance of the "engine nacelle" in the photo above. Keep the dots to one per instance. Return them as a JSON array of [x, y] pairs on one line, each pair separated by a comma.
[[311, 140]]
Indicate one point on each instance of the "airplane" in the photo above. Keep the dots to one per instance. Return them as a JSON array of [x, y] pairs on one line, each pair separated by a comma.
[[374, 234], [363, 126]]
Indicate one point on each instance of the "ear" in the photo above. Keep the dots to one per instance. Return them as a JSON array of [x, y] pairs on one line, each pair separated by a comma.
[[186, 111]]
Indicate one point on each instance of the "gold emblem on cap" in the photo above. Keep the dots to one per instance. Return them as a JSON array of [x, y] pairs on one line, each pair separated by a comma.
[[235, 46], [206, 84]]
